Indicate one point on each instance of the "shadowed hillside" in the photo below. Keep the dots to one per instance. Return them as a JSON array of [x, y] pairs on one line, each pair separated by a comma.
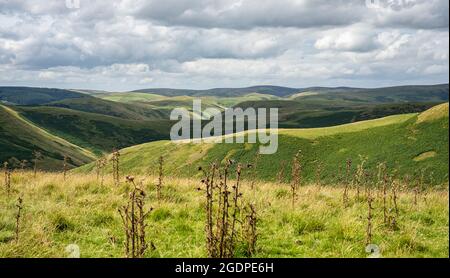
[[19, 138]]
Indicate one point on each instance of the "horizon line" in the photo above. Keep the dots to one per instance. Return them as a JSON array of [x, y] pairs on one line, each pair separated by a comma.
[[229, 88]]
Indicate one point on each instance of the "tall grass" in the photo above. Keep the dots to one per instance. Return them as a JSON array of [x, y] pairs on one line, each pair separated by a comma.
[[82, 211]]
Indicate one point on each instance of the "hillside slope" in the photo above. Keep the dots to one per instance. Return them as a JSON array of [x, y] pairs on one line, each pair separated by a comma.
[[35, 96], [75, 100], [19, 138], [96, 132], [397, 140]]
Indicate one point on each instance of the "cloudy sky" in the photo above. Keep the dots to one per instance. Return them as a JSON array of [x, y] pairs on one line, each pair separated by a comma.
[[130, 44]]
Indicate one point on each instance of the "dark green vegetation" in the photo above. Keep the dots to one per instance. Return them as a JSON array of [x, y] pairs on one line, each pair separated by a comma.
[[34, 96], [96, 132], [411, 144], [19, 138]]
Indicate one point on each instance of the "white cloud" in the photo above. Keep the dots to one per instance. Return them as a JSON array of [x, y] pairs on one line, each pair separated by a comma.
[[215, 43], [357, 38]]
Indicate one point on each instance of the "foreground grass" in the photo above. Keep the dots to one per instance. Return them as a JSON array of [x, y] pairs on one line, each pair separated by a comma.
[[82, 211]]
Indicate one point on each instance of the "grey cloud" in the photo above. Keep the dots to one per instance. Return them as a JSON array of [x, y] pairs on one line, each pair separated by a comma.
[[252, 13], [421, 14], [33, 7], [416, 14], [63, 43]]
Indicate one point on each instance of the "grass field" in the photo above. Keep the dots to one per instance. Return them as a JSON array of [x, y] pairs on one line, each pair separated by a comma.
[[81, 211]]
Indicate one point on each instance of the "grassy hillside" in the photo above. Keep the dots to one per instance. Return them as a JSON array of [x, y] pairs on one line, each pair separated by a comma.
[[97, 132], [35, 96], [82, 211], [435, 93], [300, 108], [166, 102], [19, 138], [110, 108], [400, 141], [129, 97], [25, 96], [312, 114]]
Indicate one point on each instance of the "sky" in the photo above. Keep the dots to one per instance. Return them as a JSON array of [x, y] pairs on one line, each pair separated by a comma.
[[121, 45]]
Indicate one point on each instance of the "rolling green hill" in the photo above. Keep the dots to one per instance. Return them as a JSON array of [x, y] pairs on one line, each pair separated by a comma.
[[223, 92], [19, 138], [135, 111], [26, 96], [96, 132], [301, 108], [409, 143], [100, 121], [355, 96], [35, 96], [434, 93], [312, 114], [166, 102]]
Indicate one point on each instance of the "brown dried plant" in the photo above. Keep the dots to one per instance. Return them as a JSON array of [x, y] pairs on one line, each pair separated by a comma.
[[100, 165], [360, 176], [223, 209], [65, 166], [281, 173], [134, 221], [254, 172], [250, 230], [159, 185], [348, 167], [296, 176], [369, 216], [19, 206], [116, 167], [7, 174], [23, 164], [37, 156]]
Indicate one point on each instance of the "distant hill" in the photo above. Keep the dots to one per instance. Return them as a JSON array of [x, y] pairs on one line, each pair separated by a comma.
[[224, 92], [35, 96], [404, 142], [353, 96], [388, 94]]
